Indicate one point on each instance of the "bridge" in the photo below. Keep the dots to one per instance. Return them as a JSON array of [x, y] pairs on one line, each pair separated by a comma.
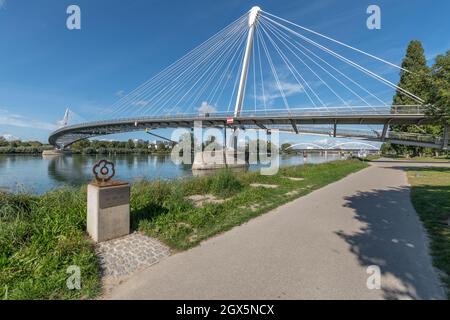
[[263, 71]]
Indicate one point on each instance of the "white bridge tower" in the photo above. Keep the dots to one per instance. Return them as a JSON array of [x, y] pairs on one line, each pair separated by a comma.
[[252, 21]]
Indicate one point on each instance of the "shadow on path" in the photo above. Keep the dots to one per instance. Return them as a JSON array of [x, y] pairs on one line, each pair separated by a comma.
[[393, 239]]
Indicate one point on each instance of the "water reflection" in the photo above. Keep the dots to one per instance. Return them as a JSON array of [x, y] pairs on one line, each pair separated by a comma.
[[37, 174]]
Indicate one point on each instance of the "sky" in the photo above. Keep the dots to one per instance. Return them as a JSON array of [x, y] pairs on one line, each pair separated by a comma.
[[46, 68]]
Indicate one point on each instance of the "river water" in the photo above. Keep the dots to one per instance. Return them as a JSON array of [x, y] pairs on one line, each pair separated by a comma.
[[36, 174]]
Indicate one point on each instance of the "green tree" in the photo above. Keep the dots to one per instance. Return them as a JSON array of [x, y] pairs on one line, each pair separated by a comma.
[[413, 80], [3, 142], [439, 95], [416, 81], [285, 146], [130, 144]]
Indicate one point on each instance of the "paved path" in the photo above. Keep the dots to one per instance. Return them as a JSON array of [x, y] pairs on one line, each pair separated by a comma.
[[317, 247]]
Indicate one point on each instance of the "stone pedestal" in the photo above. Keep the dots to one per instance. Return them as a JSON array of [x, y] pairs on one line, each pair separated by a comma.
[[108, 210]]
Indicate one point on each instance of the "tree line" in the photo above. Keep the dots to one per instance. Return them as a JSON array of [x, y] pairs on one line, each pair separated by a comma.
[[431, 84]]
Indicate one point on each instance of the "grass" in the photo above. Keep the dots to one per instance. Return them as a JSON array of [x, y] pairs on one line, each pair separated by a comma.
[[183, 226], [420, 159], [431, 197], [40, 237]]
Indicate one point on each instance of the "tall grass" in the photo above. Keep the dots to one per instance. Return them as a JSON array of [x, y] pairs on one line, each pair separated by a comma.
[[40, 237]]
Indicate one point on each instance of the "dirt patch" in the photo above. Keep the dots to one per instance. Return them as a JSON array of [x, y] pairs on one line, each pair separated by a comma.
[[200, 200], [267, 186], [295, 179], [292, 193]]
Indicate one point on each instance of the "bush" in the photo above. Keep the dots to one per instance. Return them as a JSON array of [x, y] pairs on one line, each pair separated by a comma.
[[225, 184]]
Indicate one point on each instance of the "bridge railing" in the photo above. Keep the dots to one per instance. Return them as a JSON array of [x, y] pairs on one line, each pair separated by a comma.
[[359, 111], [338, 111], [417, 137]]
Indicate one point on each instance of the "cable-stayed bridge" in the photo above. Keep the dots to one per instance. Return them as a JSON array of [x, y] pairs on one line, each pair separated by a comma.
[[263, 71]]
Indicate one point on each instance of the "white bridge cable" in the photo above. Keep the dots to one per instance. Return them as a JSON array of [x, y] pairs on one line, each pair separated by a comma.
[[309, 68], [217, 66], [303, 82], [225, 74], [162, 81], [158, 80], [236, 82], [195, 55], [254, 77], [338, 42], [261, 74], [198, 74], [335, 69], [350, 62], [205, 83], [231, 52], [280, 36], [184, 77], [192, 71], [272, 67]]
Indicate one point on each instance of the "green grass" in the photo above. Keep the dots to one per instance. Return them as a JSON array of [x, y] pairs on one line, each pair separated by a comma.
[[431, 197], [40, 237], [421, 159], [183, 226]]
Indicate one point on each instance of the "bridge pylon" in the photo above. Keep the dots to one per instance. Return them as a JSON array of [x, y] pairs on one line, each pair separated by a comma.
[[252, 22]]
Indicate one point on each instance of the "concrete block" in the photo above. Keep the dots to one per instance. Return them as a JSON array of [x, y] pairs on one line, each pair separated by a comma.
[[108, 211]]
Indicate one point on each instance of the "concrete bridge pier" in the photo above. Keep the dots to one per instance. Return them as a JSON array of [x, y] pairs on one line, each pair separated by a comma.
[[55, 153], [220, 159]]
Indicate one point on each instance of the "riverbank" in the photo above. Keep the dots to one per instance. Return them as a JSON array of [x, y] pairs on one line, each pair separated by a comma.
[[24, 150], [430, 196], [41, 236], [87, 151], [444, 159]]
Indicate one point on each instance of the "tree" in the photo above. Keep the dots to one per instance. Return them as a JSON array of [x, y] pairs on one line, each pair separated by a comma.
[[3, 142], [161, 147], [130, 144], [416, 81], [413, 80], [285, 146], [439, 96]]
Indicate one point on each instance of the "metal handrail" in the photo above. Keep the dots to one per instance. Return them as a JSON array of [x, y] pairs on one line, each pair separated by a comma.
[[321, 112]]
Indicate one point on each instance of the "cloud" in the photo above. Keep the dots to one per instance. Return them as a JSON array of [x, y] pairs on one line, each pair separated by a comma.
[[273, 92], [119, 93], [9, 137], [16, 120], [140, 103], [206, 108], [2, 4]]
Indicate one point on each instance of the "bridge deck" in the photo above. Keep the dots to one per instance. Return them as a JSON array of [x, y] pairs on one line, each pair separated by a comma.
[[70, 134]]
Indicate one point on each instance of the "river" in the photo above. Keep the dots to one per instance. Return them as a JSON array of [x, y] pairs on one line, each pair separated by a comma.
[[36, 174]]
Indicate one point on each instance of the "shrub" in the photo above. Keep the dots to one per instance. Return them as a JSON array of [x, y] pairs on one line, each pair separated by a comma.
[[225, 184]]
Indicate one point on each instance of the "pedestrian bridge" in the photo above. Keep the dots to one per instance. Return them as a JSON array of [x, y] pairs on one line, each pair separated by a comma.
[[263, 71]]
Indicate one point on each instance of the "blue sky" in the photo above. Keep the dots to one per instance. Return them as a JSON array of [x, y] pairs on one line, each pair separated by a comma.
[[45, 68]]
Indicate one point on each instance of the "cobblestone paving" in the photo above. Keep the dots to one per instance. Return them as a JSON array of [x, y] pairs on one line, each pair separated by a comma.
[[122, 257]]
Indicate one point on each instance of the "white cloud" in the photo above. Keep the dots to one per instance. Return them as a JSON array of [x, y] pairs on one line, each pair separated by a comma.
[[206, 108], [16, 120], [9, 137], [273, 92], [2, 4], [120, 93], [140, 103]]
